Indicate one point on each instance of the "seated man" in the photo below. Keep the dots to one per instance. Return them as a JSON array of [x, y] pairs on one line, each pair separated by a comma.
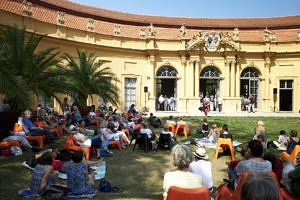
[[154, 121], [31, 129]]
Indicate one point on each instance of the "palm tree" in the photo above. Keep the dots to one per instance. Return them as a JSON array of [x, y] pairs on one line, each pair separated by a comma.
[[24, 71], [88, 77]]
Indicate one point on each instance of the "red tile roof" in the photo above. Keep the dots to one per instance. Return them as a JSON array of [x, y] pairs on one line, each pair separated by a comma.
[[76, 17]]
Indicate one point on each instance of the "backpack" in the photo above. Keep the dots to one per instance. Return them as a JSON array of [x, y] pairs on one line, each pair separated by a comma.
[[105, 186]]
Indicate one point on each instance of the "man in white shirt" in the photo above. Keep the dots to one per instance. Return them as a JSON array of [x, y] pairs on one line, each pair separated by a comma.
[[202, 167]]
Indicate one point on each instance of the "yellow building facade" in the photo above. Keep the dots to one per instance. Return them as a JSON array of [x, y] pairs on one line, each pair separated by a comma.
[[184, 59]]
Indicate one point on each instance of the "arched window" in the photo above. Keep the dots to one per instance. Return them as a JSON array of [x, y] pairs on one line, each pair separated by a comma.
[[210, 73], [249, 73], [166, 72]]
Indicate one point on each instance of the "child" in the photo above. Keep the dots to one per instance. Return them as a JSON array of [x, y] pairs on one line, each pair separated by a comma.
[[282, 142], [287, 167]]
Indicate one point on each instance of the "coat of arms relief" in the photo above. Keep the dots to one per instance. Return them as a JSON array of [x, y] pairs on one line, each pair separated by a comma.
[[211, 41]]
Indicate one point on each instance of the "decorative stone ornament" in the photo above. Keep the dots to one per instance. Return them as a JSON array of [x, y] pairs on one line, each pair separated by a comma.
[[236, 34], [90, 24], [152, 31], [117, 29], [60, 18], [182, 31], [143, 32], [269, 36], [27, 8], [212, 41]]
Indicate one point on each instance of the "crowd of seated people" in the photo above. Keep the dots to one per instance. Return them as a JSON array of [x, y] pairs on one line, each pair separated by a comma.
[[192, 170]]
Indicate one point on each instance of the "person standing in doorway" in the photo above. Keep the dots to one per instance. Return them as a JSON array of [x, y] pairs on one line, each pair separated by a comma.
[[251, 103], [161, 102], [219, 101]]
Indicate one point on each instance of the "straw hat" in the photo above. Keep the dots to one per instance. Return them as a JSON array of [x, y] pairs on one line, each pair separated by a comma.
[[201, 154]]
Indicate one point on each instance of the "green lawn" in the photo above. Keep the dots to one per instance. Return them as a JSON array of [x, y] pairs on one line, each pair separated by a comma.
[[139, 175]]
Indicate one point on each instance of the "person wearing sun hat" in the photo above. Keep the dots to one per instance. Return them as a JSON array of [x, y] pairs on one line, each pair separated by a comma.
[[202, 167]]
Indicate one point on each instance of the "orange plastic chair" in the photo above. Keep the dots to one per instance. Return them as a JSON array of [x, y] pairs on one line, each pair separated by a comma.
[[293, 155], [8, 144], [181, 127], [177, 193], [286, 195], [227, 142], [226, 193], [171, 127], [37, 138], [115, 143], [18, 128], [71, 145]]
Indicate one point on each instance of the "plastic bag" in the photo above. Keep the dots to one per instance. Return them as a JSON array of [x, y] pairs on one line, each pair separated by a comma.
[[17, 151]]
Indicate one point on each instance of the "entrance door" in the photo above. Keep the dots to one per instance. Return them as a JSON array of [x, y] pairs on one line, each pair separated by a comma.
[[286, 95], [166, 85], [210, 85], [249, 86]]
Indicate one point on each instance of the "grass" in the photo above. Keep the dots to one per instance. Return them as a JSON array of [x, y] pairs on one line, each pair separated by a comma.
[[139, 175]]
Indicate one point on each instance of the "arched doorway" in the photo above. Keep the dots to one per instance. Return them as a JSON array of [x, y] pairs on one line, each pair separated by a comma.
[[210, 86], [166, 86], [249, 87]]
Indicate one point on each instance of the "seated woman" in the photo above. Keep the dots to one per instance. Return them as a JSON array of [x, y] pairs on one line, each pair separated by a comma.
[[255, 163], [293, 140], [43, 176], [81, 137], [213, 134], [225, 134], [79, 181], [109, 134], [181, 157]]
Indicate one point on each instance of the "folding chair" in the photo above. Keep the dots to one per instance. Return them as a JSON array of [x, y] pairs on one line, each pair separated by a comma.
[[224, 142], [180, 128], [164, 140], [176, 193], [226, 193], [142, 139], [72, 146], [293, 155]]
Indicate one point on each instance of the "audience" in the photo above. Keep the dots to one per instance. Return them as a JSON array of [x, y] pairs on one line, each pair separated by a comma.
[[293, 140], [31, 129]]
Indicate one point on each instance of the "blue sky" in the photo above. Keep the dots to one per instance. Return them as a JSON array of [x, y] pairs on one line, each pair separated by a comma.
[[201, 8]]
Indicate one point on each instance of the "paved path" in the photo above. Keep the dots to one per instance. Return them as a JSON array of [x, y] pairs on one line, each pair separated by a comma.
[[239, 114]]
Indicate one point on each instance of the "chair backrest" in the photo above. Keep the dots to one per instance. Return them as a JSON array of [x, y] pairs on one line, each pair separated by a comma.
[[177, 193], [225, 141], [294, 153], [70, 144], [18, 128]]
